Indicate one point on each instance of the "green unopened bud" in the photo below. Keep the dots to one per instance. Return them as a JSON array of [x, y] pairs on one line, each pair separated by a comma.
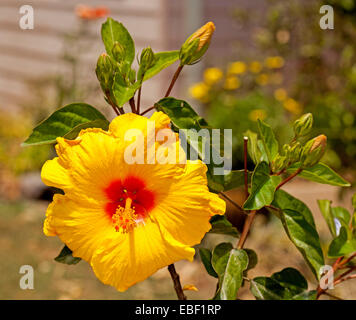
[[132, 76], [313, 151], [279, 163], [147, 59], [295, 152], [104, 71], [192, 50], [303, 125], [118, 52]]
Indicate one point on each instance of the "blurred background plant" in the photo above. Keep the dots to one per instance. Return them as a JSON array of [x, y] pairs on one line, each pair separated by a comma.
[[296, 68], [49, 92]]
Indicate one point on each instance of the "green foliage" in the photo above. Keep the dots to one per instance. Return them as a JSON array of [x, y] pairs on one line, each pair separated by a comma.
[[342, 245], [263, 188], [269, 141], [184, 118], [205, 256], [66, 122], [320, 173], [113, 31], [299, 225], [341, 226], [220, 225], [288, 284], [125, 84], [163, 60], [66, 257], [229, 264]]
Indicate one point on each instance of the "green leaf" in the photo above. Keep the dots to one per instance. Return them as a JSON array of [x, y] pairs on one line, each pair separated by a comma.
[[288, 284], [232, 180], [325, 208], [205, 255], [252, 259], [231, 280], [269, 141], [342, 215], [306, 295], [263, 187], [121, 91], [299, 225], [255, 148], [220, 257], [66, 122], [185, 119], [181, 114], [341, 245], [320, 173], [163, 60], [112, 31], [66, 257], [220, 225]]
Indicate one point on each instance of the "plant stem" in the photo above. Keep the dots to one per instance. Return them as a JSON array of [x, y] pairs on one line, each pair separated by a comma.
[[233, 202], [147, 110], [246, 229], [245, 166], [348, 259], [289, 178], [132, 105], [176, 282], [139, 100], [115, 108], [173, 81], [332, 296], [353, 276]]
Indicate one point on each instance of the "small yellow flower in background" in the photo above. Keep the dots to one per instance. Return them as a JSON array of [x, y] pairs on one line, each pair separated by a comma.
[[237, 67], [190, 287], [292, 106], [280, 94], [255, 67], [232, 83], [256, 114], [213, 75], [127, 220], [199, 91], [274, 62], [276, 78], [262, 79]]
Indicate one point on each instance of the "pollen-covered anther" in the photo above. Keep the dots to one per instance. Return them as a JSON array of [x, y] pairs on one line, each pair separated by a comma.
[[124, 219]]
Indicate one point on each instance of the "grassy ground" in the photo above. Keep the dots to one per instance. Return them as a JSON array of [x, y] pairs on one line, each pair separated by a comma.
[[23, 243]]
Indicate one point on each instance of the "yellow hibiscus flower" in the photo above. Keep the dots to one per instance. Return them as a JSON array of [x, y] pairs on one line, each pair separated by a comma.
[[126, 220]]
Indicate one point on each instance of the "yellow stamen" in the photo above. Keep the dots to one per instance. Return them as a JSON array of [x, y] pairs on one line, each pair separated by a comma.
[[125, 218]]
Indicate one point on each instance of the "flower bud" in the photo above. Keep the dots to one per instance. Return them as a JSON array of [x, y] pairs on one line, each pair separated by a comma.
[[279, 163], [104, 71], [132, 76], [118, 52], [192, 50], [303, 125], [295, 152], [147, 59], [313, 151]]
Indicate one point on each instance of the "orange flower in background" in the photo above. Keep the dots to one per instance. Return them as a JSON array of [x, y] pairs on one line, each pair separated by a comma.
[[91, 13]]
